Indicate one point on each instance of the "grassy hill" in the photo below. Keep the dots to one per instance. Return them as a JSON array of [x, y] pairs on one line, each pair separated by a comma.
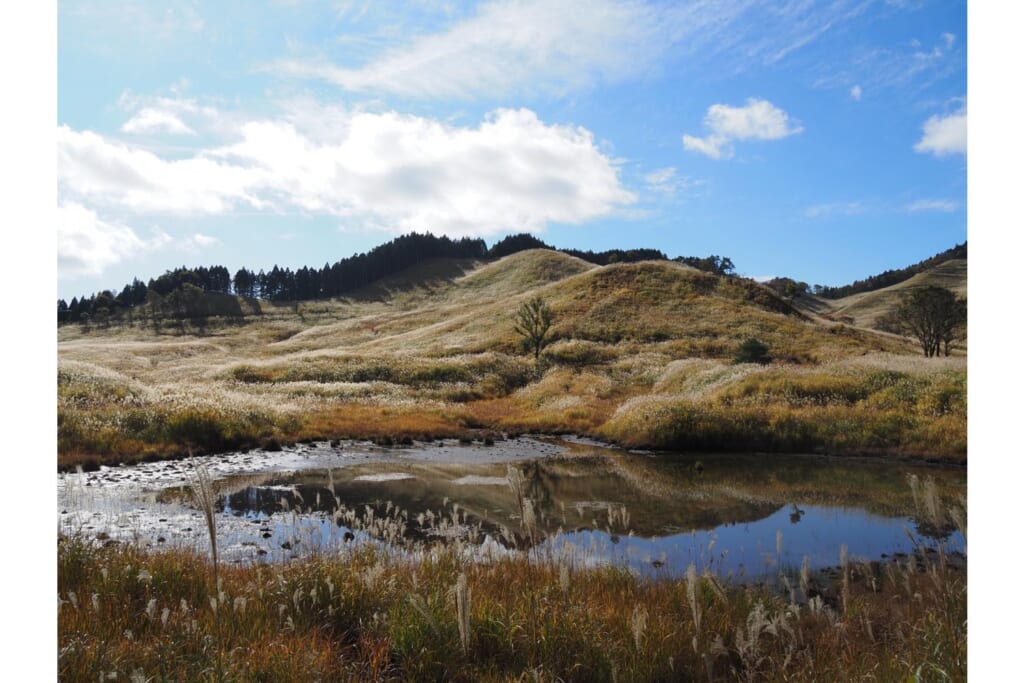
[[641, 354], [865, 309]]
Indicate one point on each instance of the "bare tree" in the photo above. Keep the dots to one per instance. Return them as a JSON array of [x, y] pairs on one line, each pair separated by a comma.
[[532, 321]]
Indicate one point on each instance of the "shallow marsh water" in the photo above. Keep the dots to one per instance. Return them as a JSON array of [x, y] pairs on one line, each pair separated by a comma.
[[740, 515]]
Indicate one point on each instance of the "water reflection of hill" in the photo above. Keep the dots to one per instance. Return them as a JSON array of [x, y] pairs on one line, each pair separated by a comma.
[[600, 488]]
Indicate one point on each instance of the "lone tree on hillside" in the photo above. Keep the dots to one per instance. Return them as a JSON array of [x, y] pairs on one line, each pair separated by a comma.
[[934, 316], [532, 321], [752, 351]]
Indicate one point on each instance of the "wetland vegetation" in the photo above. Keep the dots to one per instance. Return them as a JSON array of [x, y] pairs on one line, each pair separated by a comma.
[[377, 515]]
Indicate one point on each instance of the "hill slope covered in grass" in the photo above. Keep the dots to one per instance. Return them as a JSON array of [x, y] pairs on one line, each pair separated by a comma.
[[640, 353], [868, 309]]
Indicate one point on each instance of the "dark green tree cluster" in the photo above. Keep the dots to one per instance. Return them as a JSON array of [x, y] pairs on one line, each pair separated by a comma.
[[604, 258], [515, 243], [279, 284], [212, 279], [719, 265], [345, 275], [890, 277], [788, 287], [348, 274], [523, 241]]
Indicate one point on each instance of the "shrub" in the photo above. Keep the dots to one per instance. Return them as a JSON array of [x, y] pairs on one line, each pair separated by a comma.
[[752, 351]]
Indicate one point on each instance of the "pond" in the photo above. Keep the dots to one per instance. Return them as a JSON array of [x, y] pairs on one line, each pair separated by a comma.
[[744, 516]]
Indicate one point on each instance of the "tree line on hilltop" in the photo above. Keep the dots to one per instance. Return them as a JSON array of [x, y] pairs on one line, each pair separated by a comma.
[[890, 277], [178, 293]]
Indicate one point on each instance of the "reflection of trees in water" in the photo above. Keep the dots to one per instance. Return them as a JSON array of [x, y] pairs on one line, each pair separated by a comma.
[[269, 500], [937, 533], [662, 495], [538, 487], [795, 514]]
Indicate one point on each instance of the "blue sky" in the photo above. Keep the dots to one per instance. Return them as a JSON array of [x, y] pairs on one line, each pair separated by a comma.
[[824, 141]]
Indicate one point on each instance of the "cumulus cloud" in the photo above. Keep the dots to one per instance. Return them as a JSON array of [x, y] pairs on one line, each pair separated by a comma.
[[386, 170], [943, 205], [944, 135], [150, 120], [856, 93], [91, 167], [87, 245], [757, 120]]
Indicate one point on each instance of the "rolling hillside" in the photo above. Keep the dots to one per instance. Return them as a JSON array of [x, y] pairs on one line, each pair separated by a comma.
[[432, 352], [865, 309]]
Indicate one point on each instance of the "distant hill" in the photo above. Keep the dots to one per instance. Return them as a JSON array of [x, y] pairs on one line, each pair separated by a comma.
[[866, 309], [456, 307], [892, 277]]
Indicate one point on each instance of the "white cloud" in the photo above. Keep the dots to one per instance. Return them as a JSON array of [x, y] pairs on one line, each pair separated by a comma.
[[712, 146], [944, 135], [87, 245], [150, 120], [661, 180], [552, 46], [905, 67], [509, 45], [176, 115], [943, 205], [856, 93], [666, 181], [834, 209], [396, 172], [195, 243], [92, 168], [757, 120]]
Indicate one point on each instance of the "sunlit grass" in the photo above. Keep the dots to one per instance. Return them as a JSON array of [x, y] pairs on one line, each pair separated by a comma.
[[641, 353], [367, 615]]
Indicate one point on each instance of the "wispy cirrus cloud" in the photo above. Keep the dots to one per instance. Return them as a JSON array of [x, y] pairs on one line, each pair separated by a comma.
[[756, 120], [571, 44], [385, 170], [909, 67], [519, 46], [667, 181], [834, 209], [941, 205]]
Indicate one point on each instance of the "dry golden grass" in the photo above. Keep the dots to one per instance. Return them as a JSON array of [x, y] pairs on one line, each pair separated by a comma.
[[361, 615], [435, 354], [865, 309]]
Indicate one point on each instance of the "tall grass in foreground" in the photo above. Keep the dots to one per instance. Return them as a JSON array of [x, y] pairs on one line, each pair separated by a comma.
[[204, 496], [367, 615]]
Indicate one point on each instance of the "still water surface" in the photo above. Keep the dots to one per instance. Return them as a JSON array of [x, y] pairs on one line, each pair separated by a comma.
[[741, 515]]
